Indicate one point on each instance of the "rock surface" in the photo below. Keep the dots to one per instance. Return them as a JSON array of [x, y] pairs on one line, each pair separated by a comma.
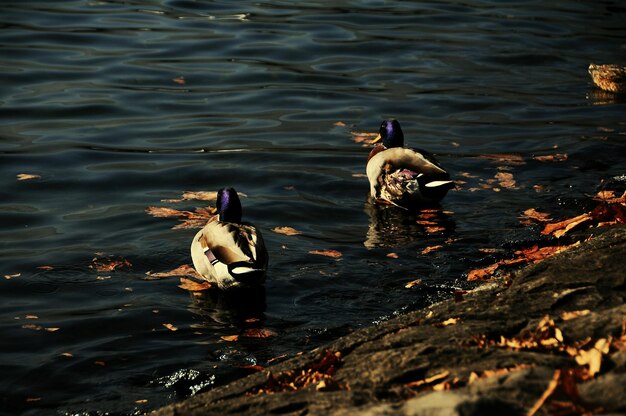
[[493, 352]]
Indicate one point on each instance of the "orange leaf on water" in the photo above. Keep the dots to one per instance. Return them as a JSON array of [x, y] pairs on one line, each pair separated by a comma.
[[509, 159], [286, 230], [193, 286], [108, 264], [327, 253], [393, 255], [162, 212], [170, 327], [27, 177], [505, 179], [430, 249], [179, 80], [413, 283], [558, 157], [365, 138], [339, 124], [184, 270], [258, 333], [532, 213], [11, 276], [230, 338]]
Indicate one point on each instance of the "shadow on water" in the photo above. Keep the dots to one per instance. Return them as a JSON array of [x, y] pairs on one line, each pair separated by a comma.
[[239, 308]]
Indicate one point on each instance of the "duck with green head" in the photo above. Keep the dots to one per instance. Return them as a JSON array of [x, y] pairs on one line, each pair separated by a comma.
[[402, 176], [227, 252]]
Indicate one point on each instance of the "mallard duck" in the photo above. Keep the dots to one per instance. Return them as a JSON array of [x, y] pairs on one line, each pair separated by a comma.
[[403, 176], [228, 252]]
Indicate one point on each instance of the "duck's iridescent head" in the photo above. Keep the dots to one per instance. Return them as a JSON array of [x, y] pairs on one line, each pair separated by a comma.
[[391, 134], [228, 205]]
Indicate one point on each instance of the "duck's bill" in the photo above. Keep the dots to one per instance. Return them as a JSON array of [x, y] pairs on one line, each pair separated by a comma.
[[377, 139]]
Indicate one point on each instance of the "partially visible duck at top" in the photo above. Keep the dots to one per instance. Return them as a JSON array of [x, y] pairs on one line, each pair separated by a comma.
[[402, 176], [227, 252]]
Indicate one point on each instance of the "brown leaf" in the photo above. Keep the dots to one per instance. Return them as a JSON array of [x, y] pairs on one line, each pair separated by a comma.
[[413, 283], [532, 213], [12, 276], [108, 264], [547, 393], [433, 229], [286, 230], [561, 228], [27, 177], [230, 338], [558, 157], [339, 124], [45, 268], [482, 274], [327, 253], [193, 286], [67, 354], [365, 138], [430, 249], [536, 253], [508, 159], [203, 196], [34, 327], [179, 80], [393, 255], [31, 317], [141, 401], [258, 333], [255, 368], [162, 212], [505, 179], [170, 327], [566, 316], [184, 270], [100, 363]]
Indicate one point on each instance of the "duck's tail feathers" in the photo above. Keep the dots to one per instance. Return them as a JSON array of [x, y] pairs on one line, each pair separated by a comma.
[[246, 271]]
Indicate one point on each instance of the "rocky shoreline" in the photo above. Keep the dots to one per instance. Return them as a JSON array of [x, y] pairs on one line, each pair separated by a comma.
[[548, 341]]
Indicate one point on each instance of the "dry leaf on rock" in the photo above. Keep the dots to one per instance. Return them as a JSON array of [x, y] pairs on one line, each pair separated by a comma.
[[568, 315], [593, 357], [561, 228], [428, 380], [326, 253], [286, 230]]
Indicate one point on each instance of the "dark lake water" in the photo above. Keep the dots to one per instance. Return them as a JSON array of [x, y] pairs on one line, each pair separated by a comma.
[[92, 101]]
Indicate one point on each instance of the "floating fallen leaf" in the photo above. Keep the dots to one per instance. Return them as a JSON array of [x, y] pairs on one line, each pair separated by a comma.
[[509, 159], [505, 179], [141, 401], [67, 354], [170, 327], [103, 277], [365, 138], [482, 274], [609, 77], [433, 229], [27, 177], [558, 157], [193, 286], [52, 329], [258, 333], [230, 338], [203, 196], [393, 255], [33, 327], [163, 212], [532, 213], [31, 317], [32, 399], [12, 276], [339, 124], [488, 250], [327, 253], [100, 363], [184, 270], [286, 230], [359, 175], [566, 316], [430, 249], [45, 267], [561, 228], [179, 80], [413, 283], [108, 264]]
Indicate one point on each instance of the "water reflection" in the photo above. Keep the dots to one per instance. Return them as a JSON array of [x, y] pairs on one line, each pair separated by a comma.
[[239, 307], [392, 227]]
